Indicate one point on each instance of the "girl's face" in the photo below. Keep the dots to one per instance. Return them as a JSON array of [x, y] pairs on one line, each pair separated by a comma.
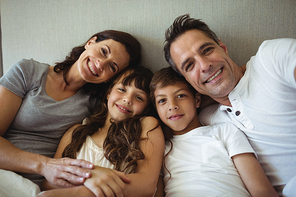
[[126, 101], [102, 60]]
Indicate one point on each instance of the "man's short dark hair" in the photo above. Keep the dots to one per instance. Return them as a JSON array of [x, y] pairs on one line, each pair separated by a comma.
[[182, 24], [165, 77]]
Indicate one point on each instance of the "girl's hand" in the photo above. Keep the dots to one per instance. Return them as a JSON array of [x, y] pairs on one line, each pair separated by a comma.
[[107, 182], [66, 172], [67, 192]]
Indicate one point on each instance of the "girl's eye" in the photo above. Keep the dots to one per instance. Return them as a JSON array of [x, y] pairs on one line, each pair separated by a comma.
[[121, 89], [140, 98]]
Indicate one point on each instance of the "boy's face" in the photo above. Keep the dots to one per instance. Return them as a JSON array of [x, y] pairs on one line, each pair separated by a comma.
[[176, 107]]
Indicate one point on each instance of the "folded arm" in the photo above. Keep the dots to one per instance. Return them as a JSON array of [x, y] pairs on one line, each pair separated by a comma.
[[17, 160], [144, 181]]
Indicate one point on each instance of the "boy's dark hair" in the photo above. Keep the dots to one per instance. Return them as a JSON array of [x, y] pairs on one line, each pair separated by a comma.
[[164, 77], [182, 24]]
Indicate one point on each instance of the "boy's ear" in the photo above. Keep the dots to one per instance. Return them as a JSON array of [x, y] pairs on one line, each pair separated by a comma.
[[197, 99]]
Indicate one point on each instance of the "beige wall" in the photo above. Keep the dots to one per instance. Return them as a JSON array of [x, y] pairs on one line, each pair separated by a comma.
[[47, 30]]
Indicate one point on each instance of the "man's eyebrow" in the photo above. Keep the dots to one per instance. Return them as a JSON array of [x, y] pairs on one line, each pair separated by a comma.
[[205, 45], [199, 49]]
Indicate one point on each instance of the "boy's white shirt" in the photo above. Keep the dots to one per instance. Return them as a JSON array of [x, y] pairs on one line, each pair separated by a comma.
[[200, 162]]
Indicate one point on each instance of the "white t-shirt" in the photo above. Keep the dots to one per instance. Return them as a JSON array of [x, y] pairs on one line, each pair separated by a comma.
[[91, 152], [200, 162], [264, 108]]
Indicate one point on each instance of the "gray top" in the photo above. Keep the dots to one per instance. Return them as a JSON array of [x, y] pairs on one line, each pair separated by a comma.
[[41, 121]]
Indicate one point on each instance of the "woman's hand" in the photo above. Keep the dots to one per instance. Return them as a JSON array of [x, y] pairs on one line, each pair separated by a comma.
[[107, 182], [66, 172]]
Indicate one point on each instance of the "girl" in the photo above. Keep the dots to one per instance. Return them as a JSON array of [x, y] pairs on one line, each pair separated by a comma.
[[38, 102], [119, 137]]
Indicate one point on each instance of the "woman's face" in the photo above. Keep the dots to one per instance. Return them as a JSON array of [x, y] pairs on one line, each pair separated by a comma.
[[102, 60]]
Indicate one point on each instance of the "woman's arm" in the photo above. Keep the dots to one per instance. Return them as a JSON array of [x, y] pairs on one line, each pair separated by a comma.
[[253, 175], [66, 139], [9, 105], [107, 180], [15, 159]]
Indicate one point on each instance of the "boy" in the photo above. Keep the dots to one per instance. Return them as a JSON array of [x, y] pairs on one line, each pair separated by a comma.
[[200, 160]]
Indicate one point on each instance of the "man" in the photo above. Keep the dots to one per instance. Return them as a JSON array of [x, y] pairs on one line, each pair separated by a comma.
[[259, 97]]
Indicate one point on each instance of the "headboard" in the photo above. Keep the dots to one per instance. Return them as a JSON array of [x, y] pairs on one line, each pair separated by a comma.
[[47, 30]]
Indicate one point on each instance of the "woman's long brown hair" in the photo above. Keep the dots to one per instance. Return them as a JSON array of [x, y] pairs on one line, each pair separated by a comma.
[[121, 146]]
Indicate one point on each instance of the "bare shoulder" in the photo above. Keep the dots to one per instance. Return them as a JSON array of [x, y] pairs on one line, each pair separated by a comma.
[[68, 133], [66, 139], [152, 126], [149, 123]]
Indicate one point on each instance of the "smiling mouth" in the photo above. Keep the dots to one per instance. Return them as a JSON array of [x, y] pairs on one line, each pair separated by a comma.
[[123, 109], [176, 117], [89, 65], [214, 76]]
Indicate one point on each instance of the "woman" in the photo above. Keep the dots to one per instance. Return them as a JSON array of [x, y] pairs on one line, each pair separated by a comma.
[[39, 102]]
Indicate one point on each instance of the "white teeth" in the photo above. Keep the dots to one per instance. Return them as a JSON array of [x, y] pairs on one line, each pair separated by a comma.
[[122, 108], [213, 77], [91, 68]]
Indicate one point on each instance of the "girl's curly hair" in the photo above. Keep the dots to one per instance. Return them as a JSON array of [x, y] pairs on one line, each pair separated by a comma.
[[121, 146]]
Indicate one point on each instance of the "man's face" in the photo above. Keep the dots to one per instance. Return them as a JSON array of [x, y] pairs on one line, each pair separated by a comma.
[[205, 64]]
